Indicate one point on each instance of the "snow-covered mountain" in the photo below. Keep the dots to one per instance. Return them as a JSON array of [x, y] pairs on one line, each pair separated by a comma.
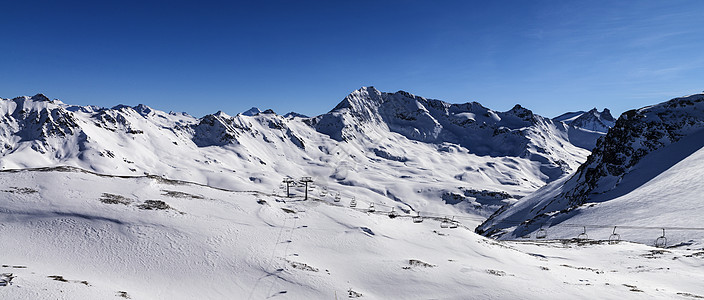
[[369, 114], [396, 148], [593, 120], [586, 127], [645, 173], [251, 112]]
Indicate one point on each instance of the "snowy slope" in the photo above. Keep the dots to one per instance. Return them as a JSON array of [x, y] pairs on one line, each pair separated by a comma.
[[398, 149], [70, 234], [645, 175]]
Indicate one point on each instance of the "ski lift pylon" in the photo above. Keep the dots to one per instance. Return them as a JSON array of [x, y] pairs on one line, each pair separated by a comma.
[[661, 242], [417, 218], [614, 238]]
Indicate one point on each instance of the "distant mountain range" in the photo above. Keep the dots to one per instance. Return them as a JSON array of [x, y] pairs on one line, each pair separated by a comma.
[[389, 145]]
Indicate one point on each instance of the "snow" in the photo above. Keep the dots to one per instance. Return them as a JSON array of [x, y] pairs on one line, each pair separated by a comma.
[[134, 202], [218, 244]]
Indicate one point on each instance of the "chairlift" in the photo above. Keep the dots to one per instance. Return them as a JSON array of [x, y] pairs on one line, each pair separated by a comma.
[[583, 235], [445, 223], [453, 223], [541, 234], [337, 198], [371, 208], [418, 218], [353, 203], [392, 214], [614, 238], [661, 242]]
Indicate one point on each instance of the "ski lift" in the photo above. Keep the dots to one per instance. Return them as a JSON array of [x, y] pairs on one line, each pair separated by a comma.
[[393, 214], [337, 198], [453, 224], [541, 234], [417, 218], [353, 203], [614, 238], [661, 242], [583, 235], [371, 208], [445, 223]]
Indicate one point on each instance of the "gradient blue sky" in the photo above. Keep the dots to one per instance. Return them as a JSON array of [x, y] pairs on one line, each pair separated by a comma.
[[305, 56]]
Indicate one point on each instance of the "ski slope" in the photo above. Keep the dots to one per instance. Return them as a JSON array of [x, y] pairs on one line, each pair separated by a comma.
[[71, 234]]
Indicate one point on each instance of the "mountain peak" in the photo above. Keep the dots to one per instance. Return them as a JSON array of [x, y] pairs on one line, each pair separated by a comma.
[[40, 97], [251, 112], [143, 109]]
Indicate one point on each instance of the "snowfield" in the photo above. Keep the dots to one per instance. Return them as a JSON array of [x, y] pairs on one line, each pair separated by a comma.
[[70, 234]]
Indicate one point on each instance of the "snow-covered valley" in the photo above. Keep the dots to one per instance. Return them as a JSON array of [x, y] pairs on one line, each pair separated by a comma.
[[131, 202]]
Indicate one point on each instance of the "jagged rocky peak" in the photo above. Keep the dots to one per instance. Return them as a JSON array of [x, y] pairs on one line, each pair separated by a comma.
[[521, 112], [592, 120], [143, 109], [294, 114], [40, 97], [635, 134]]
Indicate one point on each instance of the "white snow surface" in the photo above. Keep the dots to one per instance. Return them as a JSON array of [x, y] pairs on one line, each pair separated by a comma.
[[71, 234]]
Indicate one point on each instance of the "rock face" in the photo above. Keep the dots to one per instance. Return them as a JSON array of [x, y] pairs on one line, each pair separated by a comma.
[[635, 135]]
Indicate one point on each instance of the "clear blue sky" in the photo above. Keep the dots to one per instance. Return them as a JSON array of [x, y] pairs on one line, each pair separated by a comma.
[[205, 56]]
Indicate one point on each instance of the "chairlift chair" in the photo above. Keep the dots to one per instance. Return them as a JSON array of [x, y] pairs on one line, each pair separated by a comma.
[[614, 238], [583, 235], [661, 242], [417, 218], [453, 223], [392, 214], [445, 223], [541, 234]]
